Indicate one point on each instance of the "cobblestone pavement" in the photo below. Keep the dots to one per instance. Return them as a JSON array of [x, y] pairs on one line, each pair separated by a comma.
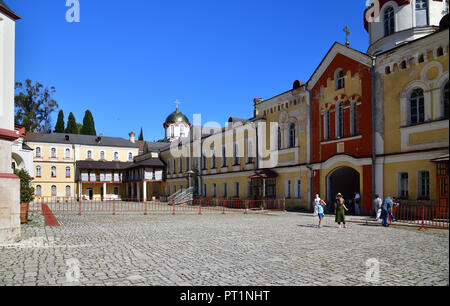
[[213, 249]]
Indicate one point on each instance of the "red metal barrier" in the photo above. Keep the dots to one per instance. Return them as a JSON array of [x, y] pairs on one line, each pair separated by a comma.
[[119, 206], [423, 216]]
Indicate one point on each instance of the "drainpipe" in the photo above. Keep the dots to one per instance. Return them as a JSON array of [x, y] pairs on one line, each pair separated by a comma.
[[374, 151], [311, 180]]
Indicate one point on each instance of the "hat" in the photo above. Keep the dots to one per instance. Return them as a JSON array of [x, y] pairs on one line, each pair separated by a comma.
[[339, 195]]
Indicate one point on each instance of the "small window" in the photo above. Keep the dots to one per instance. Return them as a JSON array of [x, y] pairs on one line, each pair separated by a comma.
[[102, 155], [224, 190], [116, 191], [53, 171], [417, 107], [340, 120], [279, 138], [172, 131], [389, 21], [53, 153], [68, 172], [424, 184], [298, 189], [67, 153], [116, 155], [38, 152], [421, 58], [181, 164], [440, 51], [339, 79], [68, 191], [39, 190], [403, 65], [288, 189], [236, 154], [89, 154], [326, 125], [214, 190], [130, 156], [403, 188], [224, 156], [354, 119], [182, 130], [445, 97], [53, 191], [236, 189], [292, 135], [38, 171], [388, 70]]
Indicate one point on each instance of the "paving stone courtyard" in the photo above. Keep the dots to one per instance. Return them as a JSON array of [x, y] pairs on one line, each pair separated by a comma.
[[213, 249]]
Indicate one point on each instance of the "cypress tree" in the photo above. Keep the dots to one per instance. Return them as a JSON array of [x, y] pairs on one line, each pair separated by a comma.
[[141, 136], [59, 127], [88, 125], [71, 125]]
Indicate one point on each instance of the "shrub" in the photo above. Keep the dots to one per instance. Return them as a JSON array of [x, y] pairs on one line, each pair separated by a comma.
[[26, 189]]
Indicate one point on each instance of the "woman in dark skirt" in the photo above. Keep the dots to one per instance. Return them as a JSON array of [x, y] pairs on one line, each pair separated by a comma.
[[340, 207]]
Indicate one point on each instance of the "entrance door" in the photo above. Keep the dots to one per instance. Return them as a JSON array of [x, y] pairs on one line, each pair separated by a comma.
[[257, 188], [442, 180], [90, 193], [346, 181]]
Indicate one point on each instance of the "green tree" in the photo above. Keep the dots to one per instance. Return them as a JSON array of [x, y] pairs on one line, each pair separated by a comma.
[[88, 125], [34, 106], [59, 127], [141, 135], [71, 125], [26, 189], [79, 126]]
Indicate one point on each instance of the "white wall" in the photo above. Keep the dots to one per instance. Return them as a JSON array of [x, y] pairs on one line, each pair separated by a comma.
[[7, 41]]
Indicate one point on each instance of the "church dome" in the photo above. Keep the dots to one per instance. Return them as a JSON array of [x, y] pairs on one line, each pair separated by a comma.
[[176, 117]]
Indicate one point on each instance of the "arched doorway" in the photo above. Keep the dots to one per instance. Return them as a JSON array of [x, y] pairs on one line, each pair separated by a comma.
[[344, 180], [17, 161]]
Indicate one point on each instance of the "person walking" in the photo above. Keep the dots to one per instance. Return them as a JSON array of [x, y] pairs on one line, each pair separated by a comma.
[[340, 208], [386, 206], [377, 207], [319, 209], [357, 200]]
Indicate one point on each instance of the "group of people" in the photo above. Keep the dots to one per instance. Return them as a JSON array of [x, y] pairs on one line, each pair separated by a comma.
[[383, 209]]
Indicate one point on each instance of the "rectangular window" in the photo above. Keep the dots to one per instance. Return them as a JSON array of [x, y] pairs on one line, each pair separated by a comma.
[[424, 184], [403, 184], [205, 189], [188, 164], [250, 151], [224, 190], [288, 189], [249, 190], [236, 154], [68, 172], [298, 189], [214, 190], [236, 189], [354, 120], [116, 191], [181, 165], [224, 157], [326, 125]]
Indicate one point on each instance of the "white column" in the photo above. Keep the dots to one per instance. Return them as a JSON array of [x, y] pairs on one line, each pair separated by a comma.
[[104, 191], [145, 191], [80, 188]]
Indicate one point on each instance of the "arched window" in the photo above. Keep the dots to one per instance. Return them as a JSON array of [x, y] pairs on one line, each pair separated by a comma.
[[102, 155], [53, 171], [354, 119], [38, 190], [116, 155], [130, 156], [182, 130], [440, 51], [339, 79], [416, 107], [38, 171], [38, 152], [68, 191], [172, 131], [403, 65], [236, 154], [389, 21], [53, 190], [279, 138], [292, 135], [213, 159], [67, 153], [53, 153], [421, 13], [340, 120], [68, 172], [445, 97], [89, 154]]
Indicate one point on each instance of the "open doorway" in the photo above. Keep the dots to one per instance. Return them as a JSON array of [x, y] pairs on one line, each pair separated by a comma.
[[346, 181]]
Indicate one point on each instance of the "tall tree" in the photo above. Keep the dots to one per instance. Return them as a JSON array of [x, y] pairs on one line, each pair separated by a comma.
[[59, 127], [141, 135], [34, 106], [88, 125], [71, 125]]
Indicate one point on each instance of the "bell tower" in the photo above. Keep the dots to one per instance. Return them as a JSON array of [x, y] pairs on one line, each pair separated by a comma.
[[391, 23]]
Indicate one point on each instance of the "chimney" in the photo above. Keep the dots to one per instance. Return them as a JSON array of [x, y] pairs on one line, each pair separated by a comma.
[[132, 137]]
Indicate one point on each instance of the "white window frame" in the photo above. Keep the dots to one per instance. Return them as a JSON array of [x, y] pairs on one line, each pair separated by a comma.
[[340, 120], [68, 188], [104, 155], [392, 28], [418, 101], [130, 156], [38, 190], [54, 188], [38, 171], [87, 154], [65, 153], [51, 152], [339, 79], [116, 156], [51, 171], [354, 119], [420, 192], [40, 152]]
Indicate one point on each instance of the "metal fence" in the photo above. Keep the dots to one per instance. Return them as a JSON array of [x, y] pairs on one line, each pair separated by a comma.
[[174, 206], [424, 216]]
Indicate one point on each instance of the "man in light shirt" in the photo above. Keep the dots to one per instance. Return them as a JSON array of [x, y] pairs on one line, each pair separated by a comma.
[[357, 202]]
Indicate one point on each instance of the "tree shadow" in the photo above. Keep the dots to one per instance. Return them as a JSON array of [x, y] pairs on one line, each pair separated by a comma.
[[314, 226]]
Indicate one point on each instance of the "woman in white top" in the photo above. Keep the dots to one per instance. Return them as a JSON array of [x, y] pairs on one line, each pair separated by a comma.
[[377, 206]]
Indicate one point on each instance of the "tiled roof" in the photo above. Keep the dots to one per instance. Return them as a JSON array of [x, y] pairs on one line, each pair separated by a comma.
[[83, 140]]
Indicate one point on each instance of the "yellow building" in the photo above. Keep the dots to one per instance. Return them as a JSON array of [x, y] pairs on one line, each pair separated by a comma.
[[56, 155]]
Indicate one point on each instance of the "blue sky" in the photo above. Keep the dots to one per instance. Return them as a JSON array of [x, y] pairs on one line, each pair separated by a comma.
[[128, 61]]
